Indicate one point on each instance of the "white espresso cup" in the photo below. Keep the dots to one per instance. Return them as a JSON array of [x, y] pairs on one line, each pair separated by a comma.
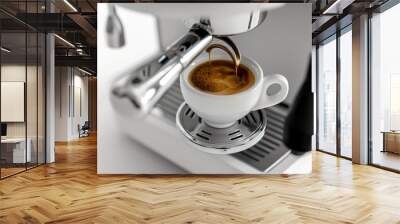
[[221, 111]]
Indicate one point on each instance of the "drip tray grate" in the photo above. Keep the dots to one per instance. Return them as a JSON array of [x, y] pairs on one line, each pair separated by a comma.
[[240, 136], [262, 156]]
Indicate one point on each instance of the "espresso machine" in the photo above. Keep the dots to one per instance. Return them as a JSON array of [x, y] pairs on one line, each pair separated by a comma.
[[146, 85], [152, 89]]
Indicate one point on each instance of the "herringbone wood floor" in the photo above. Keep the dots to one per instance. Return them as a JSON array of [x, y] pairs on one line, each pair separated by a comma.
[[70, 191]]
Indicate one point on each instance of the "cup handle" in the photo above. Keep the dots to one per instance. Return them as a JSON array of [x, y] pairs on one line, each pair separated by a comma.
[[266, 100]]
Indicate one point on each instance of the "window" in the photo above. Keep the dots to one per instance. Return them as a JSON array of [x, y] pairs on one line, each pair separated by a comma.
[[334, 60], [327, 95], [385, 89], [346, 92]]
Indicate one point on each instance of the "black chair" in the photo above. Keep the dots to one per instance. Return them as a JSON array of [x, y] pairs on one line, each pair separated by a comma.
[[84, 130]]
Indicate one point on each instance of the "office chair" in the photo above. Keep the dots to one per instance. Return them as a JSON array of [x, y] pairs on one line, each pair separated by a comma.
[[84, 130]]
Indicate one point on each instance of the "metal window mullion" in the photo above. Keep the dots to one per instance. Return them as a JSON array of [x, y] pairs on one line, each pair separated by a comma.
[[26, 90], [73, 92], [45, 94], [369, 81], [37, 94], [69, 92], [60, 77], [338, 92], [317, 95], [0, 93]]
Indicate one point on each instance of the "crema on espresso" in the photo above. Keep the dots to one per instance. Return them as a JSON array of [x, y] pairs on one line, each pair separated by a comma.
[[219, 77]]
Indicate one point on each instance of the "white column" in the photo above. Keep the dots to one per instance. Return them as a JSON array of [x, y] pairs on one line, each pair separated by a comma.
[[360, 90], [50, 98]]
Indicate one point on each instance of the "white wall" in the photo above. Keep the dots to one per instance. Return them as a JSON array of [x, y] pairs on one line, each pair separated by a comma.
[[80, 102], [12, 101], [12, 73], [61, 103], [33, 126], [68, 82], [16, 72]]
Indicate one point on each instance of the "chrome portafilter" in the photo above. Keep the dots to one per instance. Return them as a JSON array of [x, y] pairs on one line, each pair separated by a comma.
[[146, 85]]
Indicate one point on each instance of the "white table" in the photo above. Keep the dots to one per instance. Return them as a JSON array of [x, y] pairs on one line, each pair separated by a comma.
[[19, 153]]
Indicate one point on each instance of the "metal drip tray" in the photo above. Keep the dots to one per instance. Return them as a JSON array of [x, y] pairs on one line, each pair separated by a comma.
[[245, 133], [263, 155]]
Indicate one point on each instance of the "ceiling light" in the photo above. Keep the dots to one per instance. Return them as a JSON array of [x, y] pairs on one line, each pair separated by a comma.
[[84, 71], [328, 10], [70, 5], [5, 49], [337, 7], [64, 40], [80, 51]]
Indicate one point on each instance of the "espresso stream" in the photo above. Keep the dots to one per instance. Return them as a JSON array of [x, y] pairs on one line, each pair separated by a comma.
[[235, 59], [221, 77]]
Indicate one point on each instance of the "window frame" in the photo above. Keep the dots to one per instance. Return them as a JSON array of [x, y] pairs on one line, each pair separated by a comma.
[[336, 35]]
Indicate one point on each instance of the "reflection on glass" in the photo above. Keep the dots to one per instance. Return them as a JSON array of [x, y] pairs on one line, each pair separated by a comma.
[[22, 90], [327, 96], [15, 150], [385, 84], [346, 94]]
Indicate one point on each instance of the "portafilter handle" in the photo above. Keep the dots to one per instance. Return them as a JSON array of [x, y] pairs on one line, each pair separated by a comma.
[[146, 85]]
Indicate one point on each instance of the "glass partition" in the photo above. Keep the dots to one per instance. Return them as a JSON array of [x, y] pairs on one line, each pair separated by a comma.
[[23, 89], [14, 145]]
